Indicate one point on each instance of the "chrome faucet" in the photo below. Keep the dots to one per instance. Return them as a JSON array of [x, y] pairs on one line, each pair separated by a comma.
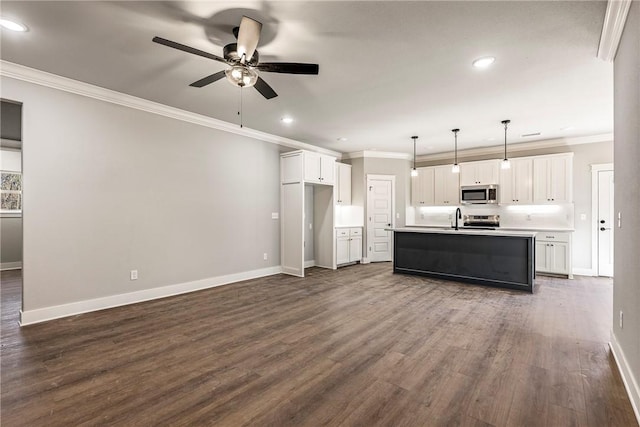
[[458, 216]]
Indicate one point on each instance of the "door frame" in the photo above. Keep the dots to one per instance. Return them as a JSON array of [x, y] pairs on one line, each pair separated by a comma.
[[595, 169], [369, 177]]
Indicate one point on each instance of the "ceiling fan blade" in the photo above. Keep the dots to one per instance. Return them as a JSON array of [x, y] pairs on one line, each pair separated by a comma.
[[208, 80], [264, 89], [288, 67], [188, 49], [248, 37]]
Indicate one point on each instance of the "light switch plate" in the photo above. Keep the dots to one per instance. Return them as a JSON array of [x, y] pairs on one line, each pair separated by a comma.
[[583, 217], [274, 215]]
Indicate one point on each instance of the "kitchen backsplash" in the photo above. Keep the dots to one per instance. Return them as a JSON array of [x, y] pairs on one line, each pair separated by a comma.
[[512, 216]]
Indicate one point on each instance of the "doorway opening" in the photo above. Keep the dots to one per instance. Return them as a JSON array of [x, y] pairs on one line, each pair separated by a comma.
[[11, 206]]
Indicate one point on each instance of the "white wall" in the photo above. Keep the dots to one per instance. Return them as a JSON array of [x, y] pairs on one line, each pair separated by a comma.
[[626, 287], [109, 189]]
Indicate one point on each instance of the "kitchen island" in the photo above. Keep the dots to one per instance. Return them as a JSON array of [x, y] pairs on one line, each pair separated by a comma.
[[488, 257]]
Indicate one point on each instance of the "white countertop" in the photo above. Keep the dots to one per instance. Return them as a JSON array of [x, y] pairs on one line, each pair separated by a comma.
[[558, 229], [348, 226], [441, 230]]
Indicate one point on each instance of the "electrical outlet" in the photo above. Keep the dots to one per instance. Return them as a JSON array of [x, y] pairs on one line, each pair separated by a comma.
[[621, 320], [134, 274], [619, 219], [264, 256], [583, 217], [397, 215], [274, 215], [528, 217]]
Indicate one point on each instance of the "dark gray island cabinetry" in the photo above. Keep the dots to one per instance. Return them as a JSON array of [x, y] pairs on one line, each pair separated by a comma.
[[487, 257]]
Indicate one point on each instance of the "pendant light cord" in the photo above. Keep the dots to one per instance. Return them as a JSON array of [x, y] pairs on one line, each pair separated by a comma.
[[455, 147], [414, 151], [505, 123], [240, 110]]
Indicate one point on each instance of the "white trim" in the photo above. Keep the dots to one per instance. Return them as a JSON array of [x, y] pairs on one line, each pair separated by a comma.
[[630, 383], [38, 315], [17, 265], [377, 155], [42, 78], [583, 272], [612, 28], [369, 229], [524, 146], [595, 168], [311, 263]]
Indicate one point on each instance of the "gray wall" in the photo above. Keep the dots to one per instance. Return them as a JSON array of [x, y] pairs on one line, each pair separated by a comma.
[[109, 189], [584, 155], [626, 289], [11, 241]]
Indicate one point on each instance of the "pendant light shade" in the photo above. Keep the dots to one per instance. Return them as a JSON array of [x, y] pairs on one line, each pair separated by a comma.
[[414, 171], [506, 164], [455, 168]]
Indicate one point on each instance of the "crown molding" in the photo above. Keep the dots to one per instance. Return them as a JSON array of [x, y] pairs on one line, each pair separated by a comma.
[[614, 21], [42, 78], [377, 155], [524, 146]]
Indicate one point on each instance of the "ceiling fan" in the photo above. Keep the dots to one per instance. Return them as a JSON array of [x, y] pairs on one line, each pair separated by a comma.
[[244, 60]]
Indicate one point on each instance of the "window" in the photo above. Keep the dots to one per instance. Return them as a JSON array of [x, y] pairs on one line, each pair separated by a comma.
[[11, 192]]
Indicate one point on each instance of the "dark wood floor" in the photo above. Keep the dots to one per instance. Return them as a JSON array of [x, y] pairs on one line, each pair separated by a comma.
[[357, 346]]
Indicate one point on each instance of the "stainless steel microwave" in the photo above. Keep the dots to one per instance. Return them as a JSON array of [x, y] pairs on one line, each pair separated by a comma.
[[479, 194]]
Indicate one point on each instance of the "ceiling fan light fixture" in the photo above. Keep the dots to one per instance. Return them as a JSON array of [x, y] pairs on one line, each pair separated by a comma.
[[241, 76], [484, 62], [287, 120]]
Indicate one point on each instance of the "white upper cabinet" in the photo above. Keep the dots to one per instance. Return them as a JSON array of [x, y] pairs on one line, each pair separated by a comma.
[[479, 173], [291, 168], [307, 166], [446, 186], [516, 183], [422, 187], [553, 179], [343, 184]]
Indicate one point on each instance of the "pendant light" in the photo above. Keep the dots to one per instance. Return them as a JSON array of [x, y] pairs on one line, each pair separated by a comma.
[[456, 166], [505, 162], [414, 171]]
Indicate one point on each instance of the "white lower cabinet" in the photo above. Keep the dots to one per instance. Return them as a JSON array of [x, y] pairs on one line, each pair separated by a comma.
[[348, 245], [553, 253]]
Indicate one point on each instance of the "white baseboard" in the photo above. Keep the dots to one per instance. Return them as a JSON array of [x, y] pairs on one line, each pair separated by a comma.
[[11, 265], [30, 317], [630, 383], [584, 272], [365, 261], [311, 263]]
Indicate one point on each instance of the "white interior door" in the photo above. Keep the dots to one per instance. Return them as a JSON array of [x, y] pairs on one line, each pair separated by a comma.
[[379, 216], [605, 223]]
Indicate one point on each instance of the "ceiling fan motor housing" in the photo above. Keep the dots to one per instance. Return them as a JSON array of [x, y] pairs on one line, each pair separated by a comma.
[[230, 53]]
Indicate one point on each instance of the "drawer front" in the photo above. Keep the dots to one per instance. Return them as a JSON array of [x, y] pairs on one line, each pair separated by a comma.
[[356, 231], [342, 232], [547, 236]]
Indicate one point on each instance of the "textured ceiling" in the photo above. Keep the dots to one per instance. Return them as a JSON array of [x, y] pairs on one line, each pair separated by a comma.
[[388, 70]]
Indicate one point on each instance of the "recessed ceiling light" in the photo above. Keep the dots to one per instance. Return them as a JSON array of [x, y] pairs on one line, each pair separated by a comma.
[[484, 62], [342, 138], [490, 139], [286, 120], [12, 25], [530, 134], [567, 128]]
